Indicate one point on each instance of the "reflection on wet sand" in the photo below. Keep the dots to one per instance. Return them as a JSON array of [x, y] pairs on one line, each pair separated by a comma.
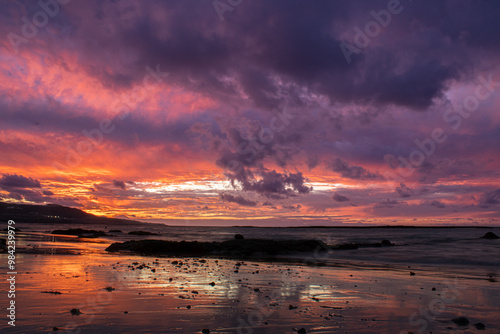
[[133, 294]]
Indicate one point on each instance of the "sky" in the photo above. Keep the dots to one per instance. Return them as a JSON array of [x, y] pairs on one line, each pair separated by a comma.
[[239, 112]]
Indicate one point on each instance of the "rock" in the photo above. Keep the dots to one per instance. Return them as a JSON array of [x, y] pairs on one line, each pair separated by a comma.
[[239, 237], [232, 248], [386, 243], [345, 246], [490, 236], [480, 326], [383, 243], [412, 273], [461, 321], [75, 311], [205, 331], [211, 284], [291, 307], [302, 331], [109, 289], [55, 329], [142, 233], [81, 233]]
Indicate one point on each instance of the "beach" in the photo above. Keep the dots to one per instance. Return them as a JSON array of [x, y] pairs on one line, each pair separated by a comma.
[[70, 284], [250, 167]]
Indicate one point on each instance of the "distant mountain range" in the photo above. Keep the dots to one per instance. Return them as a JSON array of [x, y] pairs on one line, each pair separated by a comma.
[[54, 214]]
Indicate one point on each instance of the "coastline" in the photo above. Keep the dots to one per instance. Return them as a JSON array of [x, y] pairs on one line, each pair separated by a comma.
[[173, 294]]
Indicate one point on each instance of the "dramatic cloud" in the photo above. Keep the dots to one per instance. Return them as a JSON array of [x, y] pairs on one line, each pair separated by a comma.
[[20, 188], [438, 204], [340, 198], [264, 106], [388, 204], [238, 199], [292, 207], [119, 184], [403, 190], [350, 171], [18, 182], [489, 198], [271, 183]]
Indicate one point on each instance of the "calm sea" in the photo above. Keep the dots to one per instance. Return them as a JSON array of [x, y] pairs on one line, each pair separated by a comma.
[[446, 250]]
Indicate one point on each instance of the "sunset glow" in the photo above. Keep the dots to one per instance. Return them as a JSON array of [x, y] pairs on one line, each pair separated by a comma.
[[162, 113]]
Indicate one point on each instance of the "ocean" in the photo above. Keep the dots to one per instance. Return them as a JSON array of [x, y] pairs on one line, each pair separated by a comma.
[[450, 251], [430, 277]]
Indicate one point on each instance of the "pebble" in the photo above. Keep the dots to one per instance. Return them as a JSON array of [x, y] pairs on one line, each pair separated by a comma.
[[461, 321]]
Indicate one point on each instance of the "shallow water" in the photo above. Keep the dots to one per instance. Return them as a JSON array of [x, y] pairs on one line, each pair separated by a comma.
[[457, 250], [327, 299], [367, 290]]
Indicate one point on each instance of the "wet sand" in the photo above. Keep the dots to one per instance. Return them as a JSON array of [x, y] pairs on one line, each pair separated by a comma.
[[187, 295]]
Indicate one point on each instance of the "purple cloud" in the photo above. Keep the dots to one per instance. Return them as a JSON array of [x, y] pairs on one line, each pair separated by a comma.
[[238, 199], [403, 190], [490, 198], [15, 181], [350, 171], [340, 198]]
